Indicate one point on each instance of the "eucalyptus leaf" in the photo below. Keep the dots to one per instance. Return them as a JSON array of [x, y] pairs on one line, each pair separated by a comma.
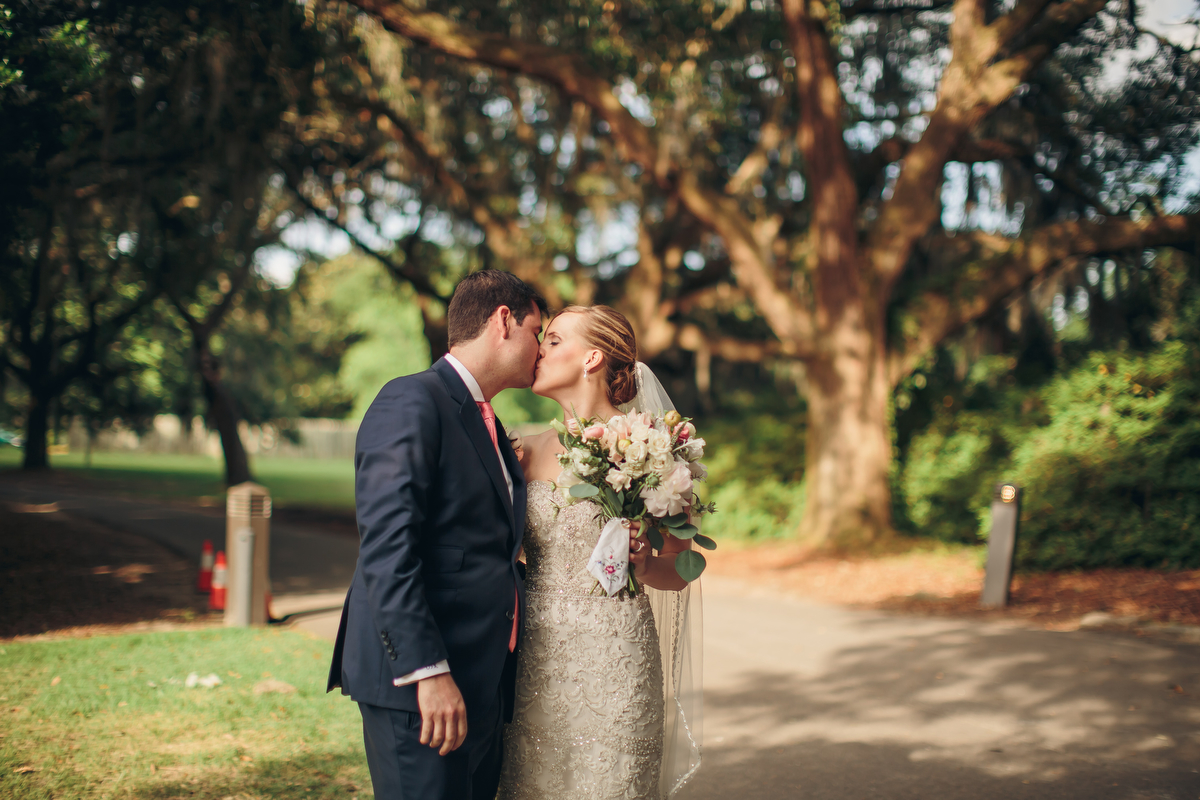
[[654, 535], [685, 531], [704, 541], [675, 520], [613, 501], [584, 490], [689, 564]]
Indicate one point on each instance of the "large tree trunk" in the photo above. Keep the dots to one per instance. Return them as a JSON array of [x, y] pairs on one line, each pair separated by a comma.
[[37, 425], [849, 450], [223, 411]]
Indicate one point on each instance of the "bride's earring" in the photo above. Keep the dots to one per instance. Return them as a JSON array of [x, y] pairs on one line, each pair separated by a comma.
[[585, 372]]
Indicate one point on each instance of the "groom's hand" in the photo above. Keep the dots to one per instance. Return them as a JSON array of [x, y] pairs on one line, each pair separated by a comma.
[[443, 713]]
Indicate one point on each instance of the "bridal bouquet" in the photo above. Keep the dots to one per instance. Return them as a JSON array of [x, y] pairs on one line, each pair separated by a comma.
[[637, 467]]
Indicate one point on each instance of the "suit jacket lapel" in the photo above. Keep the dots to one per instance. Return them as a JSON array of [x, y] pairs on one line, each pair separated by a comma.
[[520, 489], [477, 431]]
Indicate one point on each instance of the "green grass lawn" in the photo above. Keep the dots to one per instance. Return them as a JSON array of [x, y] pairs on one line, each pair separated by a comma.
[[292, 481], [111, 717]]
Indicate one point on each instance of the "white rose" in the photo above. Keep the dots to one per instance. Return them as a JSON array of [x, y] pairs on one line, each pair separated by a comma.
[[639, 431], [636, 452], [581, 461], [659, 443], [566, 479], [634, 470], [618, 480], [662, 463]]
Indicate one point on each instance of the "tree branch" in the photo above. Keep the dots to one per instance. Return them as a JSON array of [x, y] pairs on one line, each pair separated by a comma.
[[556, 67], [400, 270], [1004, 266], [498, 234], [771, 135], [569, 74], [972, 87], [865, 7], [751, 266]]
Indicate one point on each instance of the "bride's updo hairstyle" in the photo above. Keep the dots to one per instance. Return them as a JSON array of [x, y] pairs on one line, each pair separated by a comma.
[[607, 330]]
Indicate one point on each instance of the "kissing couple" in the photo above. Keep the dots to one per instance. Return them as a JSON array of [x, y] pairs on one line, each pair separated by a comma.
[[479, 674]]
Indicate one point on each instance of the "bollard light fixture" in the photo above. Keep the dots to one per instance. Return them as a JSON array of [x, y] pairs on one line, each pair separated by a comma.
[[1002, 543]]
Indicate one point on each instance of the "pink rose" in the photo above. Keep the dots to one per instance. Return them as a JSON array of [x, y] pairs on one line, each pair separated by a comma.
[[594, 432]]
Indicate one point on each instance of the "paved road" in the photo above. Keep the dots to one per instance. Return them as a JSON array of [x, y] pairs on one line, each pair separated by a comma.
[[823, 703], [304, 559]]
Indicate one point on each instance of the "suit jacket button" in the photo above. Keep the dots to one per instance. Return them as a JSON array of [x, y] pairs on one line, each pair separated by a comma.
[[509, 614], [392, 656]]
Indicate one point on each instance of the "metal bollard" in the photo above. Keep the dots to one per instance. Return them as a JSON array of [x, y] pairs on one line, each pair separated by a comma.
[[248, 548], [238, 611], [1002, 544]]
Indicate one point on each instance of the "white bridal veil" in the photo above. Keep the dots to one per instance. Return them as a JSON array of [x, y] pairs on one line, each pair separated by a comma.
[[679, 619]]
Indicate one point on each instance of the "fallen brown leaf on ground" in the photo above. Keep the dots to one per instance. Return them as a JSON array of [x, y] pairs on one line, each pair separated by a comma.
[[949, 583]]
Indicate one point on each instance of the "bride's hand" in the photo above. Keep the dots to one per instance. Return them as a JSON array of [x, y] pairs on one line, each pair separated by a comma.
[[518, 446], [639, 546]]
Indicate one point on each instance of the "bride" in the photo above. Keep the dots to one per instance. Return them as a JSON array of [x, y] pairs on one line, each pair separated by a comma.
[[608, 689]]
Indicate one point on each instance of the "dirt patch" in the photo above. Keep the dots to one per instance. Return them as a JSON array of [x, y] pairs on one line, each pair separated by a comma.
[[72, 576], [949, 584]]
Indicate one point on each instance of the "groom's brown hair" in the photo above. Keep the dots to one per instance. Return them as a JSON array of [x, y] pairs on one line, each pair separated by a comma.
[[477, 297]]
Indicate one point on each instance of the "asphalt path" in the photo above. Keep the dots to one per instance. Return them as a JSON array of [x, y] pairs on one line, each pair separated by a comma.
[[304, 559], [818, 702]]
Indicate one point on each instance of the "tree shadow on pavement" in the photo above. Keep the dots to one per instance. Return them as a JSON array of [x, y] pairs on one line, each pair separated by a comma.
[[963, 713], [63, 572]]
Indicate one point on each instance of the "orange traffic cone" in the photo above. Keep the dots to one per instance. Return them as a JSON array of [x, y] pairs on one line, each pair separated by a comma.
[[204, 579], [216, 597]]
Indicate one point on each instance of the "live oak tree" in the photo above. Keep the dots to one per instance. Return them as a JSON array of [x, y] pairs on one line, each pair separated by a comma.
[[804, 157]]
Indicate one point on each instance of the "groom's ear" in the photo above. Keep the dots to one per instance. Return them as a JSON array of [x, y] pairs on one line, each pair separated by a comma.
[[503, 317]]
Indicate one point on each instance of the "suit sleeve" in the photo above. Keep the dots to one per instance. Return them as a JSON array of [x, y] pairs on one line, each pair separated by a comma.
[[396, 460]]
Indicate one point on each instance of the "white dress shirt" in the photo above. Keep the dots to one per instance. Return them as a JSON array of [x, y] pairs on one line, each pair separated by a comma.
[[443, 666]]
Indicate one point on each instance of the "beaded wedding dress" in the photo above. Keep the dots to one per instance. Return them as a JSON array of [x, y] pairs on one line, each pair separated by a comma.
[[589, 717]]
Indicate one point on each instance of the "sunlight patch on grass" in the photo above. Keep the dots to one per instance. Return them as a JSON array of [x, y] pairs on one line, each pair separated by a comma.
[[120, 721]]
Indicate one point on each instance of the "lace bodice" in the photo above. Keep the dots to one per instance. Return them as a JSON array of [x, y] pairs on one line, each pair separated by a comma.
[[588, 723], [559, 537]]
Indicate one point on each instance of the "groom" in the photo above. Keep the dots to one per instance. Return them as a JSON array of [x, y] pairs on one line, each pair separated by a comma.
[[429, 630]]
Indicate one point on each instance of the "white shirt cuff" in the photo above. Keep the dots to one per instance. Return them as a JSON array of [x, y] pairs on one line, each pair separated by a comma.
[[440, 668]]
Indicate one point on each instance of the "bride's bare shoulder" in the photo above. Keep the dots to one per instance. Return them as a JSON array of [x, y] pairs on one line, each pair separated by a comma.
[[538, 459], [543, 443]]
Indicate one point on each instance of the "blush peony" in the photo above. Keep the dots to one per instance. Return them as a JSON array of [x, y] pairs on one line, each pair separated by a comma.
[[672, 495]]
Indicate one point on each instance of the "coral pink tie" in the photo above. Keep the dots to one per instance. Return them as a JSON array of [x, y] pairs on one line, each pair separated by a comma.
[[489, 419]]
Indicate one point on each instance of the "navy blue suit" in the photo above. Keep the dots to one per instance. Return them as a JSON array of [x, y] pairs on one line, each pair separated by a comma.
[[436, 577]]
